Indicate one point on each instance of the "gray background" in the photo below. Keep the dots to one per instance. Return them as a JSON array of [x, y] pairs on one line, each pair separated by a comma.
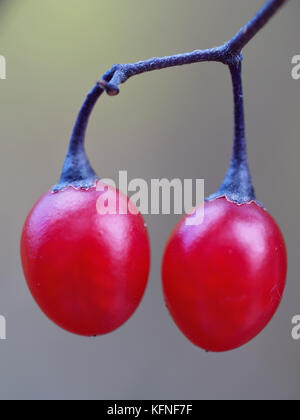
[[173, 123]]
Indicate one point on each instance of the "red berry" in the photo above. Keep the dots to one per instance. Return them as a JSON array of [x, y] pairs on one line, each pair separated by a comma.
[[224, 279], [86, 271]]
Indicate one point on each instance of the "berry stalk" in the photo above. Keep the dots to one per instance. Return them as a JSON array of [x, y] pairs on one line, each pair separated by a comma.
[[77, 170], [237, 185]]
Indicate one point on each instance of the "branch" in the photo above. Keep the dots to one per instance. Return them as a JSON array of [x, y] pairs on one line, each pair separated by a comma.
[[229, 53], [77, 170], [244, 36]]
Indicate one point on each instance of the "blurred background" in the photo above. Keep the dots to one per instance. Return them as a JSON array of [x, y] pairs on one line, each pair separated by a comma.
[[172, 123]]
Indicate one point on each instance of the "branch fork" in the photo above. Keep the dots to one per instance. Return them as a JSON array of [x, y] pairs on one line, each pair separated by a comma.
[[237, 186]]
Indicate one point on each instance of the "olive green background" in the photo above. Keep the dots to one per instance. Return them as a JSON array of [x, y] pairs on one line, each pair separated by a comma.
[[173, 123]]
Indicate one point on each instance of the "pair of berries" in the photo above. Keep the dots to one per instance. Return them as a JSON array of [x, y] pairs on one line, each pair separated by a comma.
[[223, 280]]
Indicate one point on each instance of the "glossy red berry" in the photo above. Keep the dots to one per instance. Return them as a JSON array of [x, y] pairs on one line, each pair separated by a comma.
[[223, 280], [87, 270]]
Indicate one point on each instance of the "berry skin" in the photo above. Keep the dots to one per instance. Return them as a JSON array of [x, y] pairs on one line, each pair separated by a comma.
[[223, 280], [87, 272]]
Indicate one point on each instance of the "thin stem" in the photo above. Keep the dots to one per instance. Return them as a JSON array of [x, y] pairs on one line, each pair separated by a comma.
[[242, 38], [240, 148], [120, 73], [83, 118], [77, 170]]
